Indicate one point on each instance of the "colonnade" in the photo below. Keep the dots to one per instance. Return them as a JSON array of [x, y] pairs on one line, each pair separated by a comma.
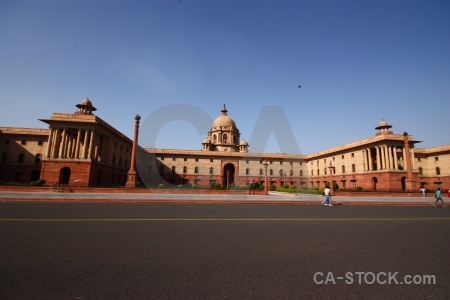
[[77, 143], [386, 158]]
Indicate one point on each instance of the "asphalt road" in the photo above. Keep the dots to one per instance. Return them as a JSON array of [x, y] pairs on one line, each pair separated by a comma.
[[222, 251]]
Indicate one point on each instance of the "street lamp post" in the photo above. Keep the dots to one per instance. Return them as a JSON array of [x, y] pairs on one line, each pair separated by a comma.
[[265, 163], [331, 177]]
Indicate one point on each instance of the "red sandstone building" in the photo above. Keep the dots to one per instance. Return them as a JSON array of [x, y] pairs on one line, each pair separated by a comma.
[[80, 149]]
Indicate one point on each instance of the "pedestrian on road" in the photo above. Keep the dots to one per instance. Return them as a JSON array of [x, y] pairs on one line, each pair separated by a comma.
[[423, 190], [327, 194], [438, 197]]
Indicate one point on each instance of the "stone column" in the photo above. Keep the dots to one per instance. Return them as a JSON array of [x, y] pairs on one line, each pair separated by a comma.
[[86, 133], [389, 156], [62, 144], [132, 174], [395, 158], [377, 148], [370, 160], [91, 144], [77, 148], [365, 159], [409, 182], [405, 166], [49, 144], [413, 159]]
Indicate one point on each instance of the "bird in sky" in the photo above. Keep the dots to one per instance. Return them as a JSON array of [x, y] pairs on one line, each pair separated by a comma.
[[299, 86]]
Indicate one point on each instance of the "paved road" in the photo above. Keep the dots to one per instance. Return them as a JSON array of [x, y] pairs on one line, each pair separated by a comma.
[[168, 251]]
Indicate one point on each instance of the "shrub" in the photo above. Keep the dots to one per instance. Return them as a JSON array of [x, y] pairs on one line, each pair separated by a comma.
[[180, 186], [194, 186], [161, 185], [272, 187], [254, 186], [285, 186], [359, 188], [292, 187]]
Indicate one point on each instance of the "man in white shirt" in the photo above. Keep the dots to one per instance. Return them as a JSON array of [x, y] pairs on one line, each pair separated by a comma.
[[327, 194]]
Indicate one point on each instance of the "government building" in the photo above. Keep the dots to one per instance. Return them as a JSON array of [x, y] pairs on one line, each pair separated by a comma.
[[80, 149]]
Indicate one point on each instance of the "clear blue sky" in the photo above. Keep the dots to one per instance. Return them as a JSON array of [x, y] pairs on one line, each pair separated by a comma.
[[357, 62]]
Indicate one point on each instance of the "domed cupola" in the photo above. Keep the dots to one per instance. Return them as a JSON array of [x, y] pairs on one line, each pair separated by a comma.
[[86, 107], [223, 134], [383, 127]]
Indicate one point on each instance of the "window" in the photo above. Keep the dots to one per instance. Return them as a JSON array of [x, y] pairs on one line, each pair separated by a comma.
[[174, 158], [247, 171], [21, 157], [353, 154], [246, 161], [24, 142], [271, 172], [318, 172], [162, 158], [211, 160], [4, 157], [120, 161], [343, 169], [281, 163], [260, 171], [342, 156], [420, 171], [173, 170], [436, 158], [438, 171], [325, 160], [333, 158], [301, 172], [271, 162], [291, 172], [185, 159], [300, 163], [325, 171], [37, 159], [40, 143], [211, 170], [418, 159], [196, 160], [196, 170], [290, 163], [353, 168], [224, 139], [185, 170], [281, 172]]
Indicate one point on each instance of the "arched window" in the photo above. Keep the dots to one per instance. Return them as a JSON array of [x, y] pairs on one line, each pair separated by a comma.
[[214, 138], [21, 157], [173, 170], [224, 138], [353, 168], [438, 171], [211, 170], [37, 159]]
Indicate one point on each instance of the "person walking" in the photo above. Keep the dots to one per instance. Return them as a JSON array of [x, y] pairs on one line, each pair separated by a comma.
[[423, 191], [438, 197], [327, 194]]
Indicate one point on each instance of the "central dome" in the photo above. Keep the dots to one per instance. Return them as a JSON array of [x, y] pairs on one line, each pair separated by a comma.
[[223, 121]]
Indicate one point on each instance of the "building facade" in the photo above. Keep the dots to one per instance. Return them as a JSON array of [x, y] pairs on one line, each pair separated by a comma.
[[80, 149]]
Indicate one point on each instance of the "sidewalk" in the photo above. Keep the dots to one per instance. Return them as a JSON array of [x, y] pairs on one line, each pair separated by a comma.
[[272, 198]]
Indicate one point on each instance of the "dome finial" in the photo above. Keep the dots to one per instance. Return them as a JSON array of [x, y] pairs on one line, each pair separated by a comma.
[[224, 110]]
